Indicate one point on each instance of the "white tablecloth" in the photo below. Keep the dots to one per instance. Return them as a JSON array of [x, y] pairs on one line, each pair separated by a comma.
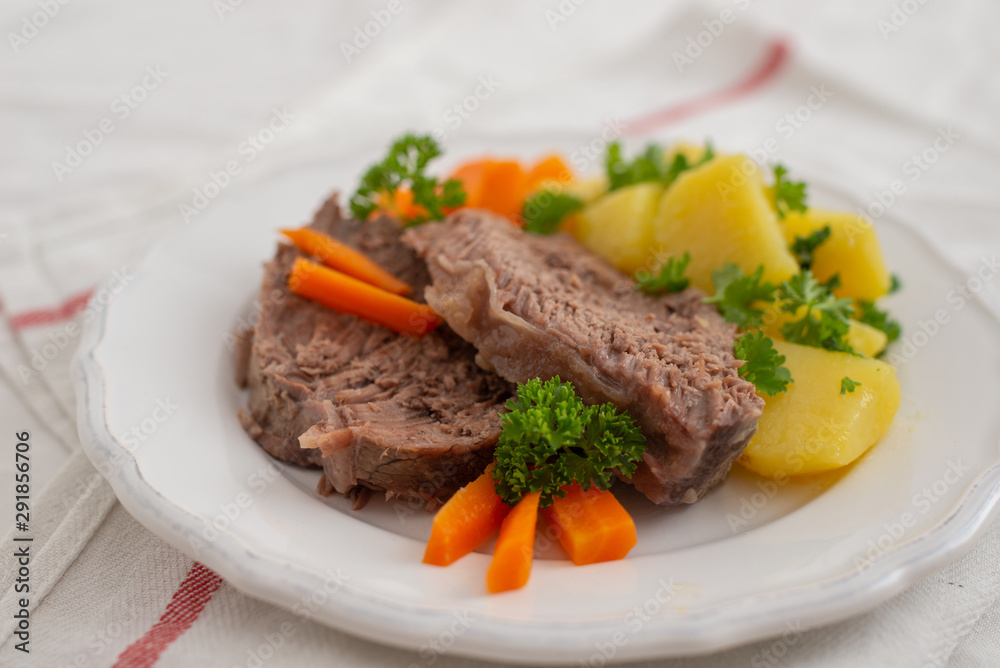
[[115, 114]]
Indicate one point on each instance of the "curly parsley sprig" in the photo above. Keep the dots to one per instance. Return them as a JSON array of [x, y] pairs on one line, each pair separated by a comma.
[[788, 195], [878, 318], [550, 439], [763, 364], [848, 385], [804, 247], [668, 280], [545, 211], [738, 294], [404, 165], [650, 166], [823, 320]]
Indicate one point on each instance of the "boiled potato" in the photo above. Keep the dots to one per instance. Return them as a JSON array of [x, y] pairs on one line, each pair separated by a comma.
[[852, 250], [719, 213], [618, 226], [865, 339], [812, 427]]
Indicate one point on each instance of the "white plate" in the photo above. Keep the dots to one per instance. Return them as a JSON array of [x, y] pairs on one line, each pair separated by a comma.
[[699, 580]]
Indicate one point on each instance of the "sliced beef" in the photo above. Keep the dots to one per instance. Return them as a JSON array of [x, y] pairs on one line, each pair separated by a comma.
[[544, 306], [412, 417]]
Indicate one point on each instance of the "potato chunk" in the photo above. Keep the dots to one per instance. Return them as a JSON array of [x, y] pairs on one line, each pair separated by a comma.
[[618, 226], [719, 213], [852, 251], [813, 427]]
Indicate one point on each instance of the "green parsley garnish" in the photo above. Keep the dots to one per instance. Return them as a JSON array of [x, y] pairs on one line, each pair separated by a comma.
[[895, 285], [404, 165], [735, 294], [549, 439], [680, 163], [788, 195], [650, 166], [875, 317], [763, 365], [544, 211], [824, 322], [804, 247], [669, 279], [848, 385]]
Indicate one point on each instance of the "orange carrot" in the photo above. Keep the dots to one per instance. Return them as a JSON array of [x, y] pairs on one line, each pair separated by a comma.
[[505, 186], [591, 525], [471, 175], [511, 565], [342, 257], [549, 168], [462, 524], [399, 205], [345, 294]]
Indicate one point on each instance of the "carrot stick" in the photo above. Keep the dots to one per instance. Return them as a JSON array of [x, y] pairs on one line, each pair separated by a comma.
[[468, 518], [511, 565], [591, 525], [471, 175], [345, 294], [549, 168], [342, 257], [505, 186]]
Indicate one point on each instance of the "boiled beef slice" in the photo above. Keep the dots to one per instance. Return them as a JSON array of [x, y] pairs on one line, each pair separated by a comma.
[[544, 306], [415, 418]]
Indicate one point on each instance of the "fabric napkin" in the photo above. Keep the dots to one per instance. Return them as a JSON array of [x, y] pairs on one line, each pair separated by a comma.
[[105, 591]]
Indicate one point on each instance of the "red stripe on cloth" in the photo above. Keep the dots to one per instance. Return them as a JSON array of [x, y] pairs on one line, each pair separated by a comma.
[[777, 56], [49, 316], [188, 601]]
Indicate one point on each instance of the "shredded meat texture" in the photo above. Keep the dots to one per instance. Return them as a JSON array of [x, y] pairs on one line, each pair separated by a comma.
[[414, 418], [542, 306]]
